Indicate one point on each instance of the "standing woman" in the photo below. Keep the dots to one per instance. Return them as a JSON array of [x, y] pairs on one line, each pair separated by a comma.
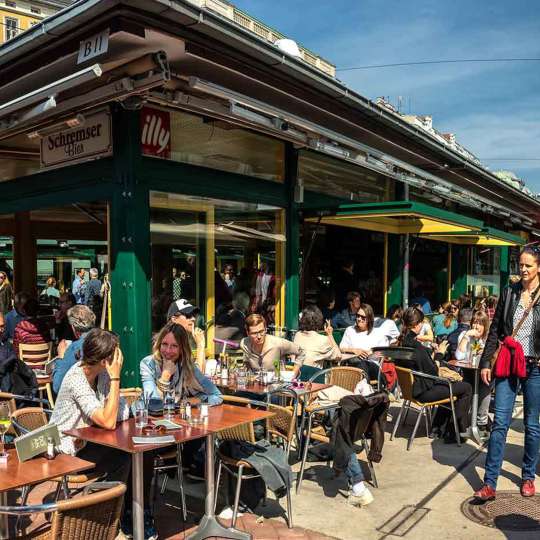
[[511, 308], [6, 294]]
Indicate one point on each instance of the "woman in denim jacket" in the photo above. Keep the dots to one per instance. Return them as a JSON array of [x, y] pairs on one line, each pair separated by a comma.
[[171, 366]]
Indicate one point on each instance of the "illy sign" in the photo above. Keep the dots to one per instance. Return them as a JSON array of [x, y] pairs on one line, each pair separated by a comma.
[[90, 140], [156, 133]]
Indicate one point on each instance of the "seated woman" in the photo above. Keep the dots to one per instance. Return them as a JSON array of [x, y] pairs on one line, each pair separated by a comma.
[[444, 322], [429, 390], [473, 341], [318, 347], [425, 335], [171, 366]]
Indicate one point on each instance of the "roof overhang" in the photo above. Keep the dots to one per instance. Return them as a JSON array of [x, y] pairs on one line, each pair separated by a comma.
[[400, 217], [488, 236]]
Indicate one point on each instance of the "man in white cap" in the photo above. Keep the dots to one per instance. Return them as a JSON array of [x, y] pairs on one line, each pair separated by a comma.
[[185, 314]]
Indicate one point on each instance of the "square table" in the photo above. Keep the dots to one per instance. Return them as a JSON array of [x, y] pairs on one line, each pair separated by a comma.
[[219, 417], [15, 474]]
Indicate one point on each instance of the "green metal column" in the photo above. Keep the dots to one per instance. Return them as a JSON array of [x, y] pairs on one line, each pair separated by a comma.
[[459, 270], [505, 266], [292, 251], [395, 277], [129, 241]]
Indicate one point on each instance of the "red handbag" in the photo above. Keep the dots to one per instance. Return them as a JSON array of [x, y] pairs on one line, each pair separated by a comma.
[[510, 359]]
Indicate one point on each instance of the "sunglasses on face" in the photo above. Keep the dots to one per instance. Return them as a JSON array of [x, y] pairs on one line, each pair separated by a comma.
[[361, 317]]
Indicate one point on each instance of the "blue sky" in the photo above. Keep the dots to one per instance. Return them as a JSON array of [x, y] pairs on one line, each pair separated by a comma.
[[493, 108]]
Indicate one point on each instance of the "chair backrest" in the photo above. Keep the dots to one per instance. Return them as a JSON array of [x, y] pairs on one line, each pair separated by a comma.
[[346, 377], [29, 419], [406, 381], [244, 432], [35, 355], [89, 517], [282, 423], [131, 395]]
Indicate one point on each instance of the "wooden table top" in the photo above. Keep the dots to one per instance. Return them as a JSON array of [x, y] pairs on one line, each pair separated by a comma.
[[15, 474], [259, 388], [219, 417]]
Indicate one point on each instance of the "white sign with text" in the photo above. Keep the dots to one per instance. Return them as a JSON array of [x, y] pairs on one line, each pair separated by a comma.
[[91, 140], [93, 46]]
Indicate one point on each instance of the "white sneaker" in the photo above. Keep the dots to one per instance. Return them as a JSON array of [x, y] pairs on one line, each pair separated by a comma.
[[227, 513], [360, 500]]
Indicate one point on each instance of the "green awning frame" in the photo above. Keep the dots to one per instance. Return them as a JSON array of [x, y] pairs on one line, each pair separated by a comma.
[[488, 236]]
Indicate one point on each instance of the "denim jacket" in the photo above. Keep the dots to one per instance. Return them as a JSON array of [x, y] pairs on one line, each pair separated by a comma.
[[151, 372]]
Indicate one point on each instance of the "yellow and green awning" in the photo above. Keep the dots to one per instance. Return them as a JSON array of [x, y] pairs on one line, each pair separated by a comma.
[[488, 236], [400, 217]]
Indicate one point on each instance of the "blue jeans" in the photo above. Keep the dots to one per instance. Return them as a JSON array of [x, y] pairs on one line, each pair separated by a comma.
[[354, 471], [505, 396]]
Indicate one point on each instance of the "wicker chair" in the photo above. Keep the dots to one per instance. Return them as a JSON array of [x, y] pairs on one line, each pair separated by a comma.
[[406, 381], [345, 377], [93, 516], [236, 467], [36, 356]]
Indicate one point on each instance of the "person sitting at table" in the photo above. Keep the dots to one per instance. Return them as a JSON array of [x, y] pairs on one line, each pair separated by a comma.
[[31, 330], [318, 348], [346, 317], [444, 322], [262, 350], [427, 389], [425, 336], [170, 367], [473, 341], [16, 315], [81, 319], [185, 314]]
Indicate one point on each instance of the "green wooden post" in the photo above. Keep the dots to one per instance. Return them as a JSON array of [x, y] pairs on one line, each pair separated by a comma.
[[129, 225], [459, 270], [395, 277], [292, 251], [505, 266]]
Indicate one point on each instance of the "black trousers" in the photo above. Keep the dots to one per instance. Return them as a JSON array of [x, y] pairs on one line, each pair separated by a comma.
[[461, 390]]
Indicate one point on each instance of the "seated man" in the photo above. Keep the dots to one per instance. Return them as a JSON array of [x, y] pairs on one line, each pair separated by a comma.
[[347, 317], [81, 319]]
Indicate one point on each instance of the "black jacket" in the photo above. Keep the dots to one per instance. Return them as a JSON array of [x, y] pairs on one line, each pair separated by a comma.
[[15, 376], [420, 361], [502, 324], [453, 339]]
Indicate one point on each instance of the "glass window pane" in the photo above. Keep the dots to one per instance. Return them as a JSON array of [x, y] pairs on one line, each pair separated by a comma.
[[225, 257]]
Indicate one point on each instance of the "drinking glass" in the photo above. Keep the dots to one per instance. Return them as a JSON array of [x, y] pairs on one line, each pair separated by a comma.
[[5, 423], [141, 414], [241, 378], [168, 404]]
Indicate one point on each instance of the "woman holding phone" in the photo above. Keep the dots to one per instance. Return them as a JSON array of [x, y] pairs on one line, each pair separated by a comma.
[[516, 310]]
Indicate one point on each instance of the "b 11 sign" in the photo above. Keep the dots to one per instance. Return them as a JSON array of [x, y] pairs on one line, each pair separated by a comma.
[[156, 133], [90, 140]]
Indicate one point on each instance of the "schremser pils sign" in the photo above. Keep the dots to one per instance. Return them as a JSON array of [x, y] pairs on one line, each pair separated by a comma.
[[90, 140]]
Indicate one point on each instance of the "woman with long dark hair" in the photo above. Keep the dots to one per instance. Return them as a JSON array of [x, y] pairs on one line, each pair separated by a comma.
[[426, 389], [515, 306]]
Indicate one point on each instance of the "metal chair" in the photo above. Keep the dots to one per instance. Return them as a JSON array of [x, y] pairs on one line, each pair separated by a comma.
[[93, 516], [36, 356], [406, 381], [235, 467]]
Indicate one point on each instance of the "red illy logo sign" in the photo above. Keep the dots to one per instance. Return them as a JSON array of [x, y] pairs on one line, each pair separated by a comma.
[[156, 133]]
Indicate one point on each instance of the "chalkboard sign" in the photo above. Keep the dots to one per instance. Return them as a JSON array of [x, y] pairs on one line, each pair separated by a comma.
[[34, 443]]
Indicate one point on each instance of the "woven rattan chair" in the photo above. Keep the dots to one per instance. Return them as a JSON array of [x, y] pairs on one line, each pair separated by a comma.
[[92, 516], [347, 378], [236, 467], [406, 379], [35, 356]]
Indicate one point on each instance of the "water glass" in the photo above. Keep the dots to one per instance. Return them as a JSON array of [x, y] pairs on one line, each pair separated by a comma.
[[141, 414], [241, 378], [168, 404]]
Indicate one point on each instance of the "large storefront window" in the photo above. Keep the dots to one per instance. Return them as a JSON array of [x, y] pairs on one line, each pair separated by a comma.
[[218, 255], [484, 266], [337, 178]]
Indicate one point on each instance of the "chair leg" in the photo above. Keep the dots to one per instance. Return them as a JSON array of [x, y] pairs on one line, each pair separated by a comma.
[[289, 508], [398, 419], [180, 474], [24, 499], [50, 395], [304, 455], [237, 494], [413, 434], [427, 423], [370, 463], [216, 490], [456, 428], [164, 483], [65, 487]]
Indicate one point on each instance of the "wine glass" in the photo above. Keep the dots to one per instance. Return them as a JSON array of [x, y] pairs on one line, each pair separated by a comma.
[[5, 423]]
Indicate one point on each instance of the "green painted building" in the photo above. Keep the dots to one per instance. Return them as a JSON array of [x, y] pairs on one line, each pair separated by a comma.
[[188, 158]]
